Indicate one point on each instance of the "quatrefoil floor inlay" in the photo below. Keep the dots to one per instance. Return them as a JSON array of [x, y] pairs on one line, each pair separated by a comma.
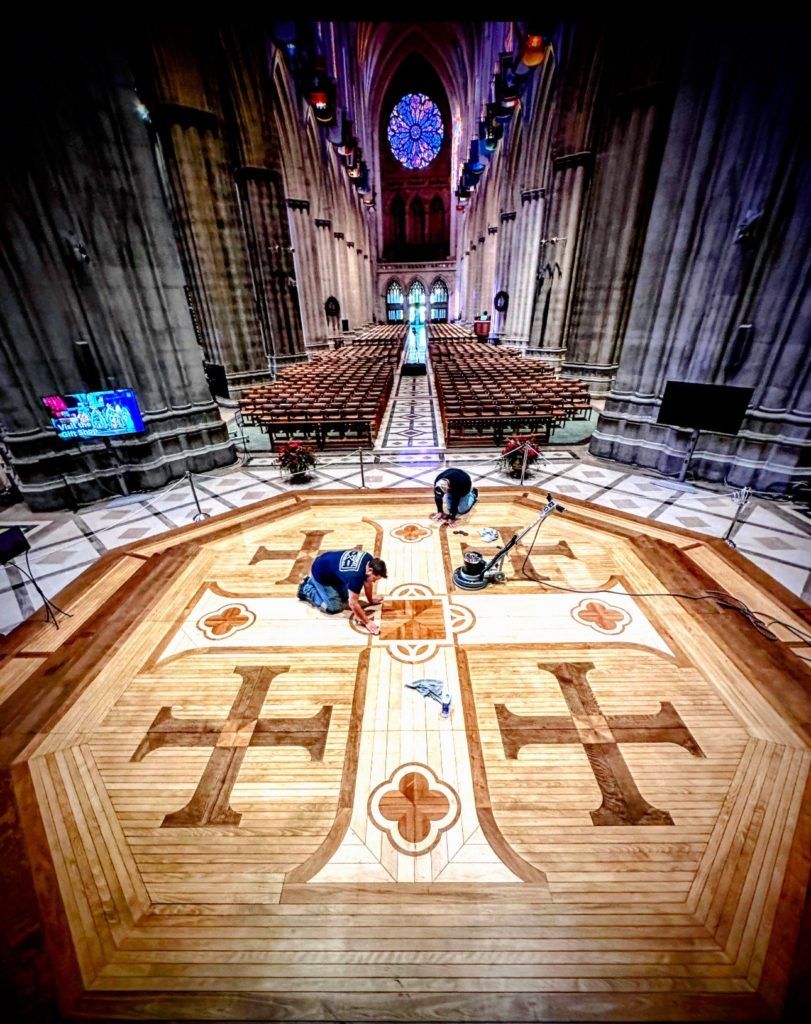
[[413, 807], [226, 621], [605, 618]]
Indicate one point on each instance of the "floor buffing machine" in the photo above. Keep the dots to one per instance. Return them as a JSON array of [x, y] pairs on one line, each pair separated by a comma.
[[475, 573]]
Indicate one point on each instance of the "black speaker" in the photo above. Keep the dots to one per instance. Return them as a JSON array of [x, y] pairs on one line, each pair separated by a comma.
[[716, 408], [345, 326], [12, 543]]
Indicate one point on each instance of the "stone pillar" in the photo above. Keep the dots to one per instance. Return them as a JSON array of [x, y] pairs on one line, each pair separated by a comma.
[[528, 229], [272, 266], [618, 206], [720, 295], [211, 237], [93, 294], [558, 251]]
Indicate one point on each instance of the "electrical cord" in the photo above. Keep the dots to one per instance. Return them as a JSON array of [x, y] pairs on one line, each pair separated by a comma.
[[723, 599]]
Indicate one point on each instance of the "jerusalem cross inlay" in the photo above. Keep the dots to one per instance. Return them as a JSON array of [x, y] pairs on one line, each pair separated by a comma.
[[600, 736], [517, 555], [211, 802], [303, 556]]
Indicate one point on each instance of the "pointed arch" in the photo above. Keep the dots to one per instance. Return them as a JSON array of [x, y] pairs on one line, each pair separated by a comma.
[[438, 299], [395, 301]]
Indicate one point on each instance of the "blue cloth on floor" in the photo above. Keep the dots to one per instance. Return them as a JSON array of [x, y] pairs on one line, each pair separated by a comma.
[[428, 688]]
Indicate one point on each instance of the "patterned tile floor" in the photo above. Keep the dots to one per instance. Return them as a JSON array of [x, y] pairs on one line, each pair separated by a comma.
[[410, 452]]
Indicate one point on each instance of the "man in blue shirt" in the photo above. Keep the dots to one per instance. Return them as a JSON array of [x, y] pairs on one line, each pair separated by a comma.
[[454, 495], [336, 579]]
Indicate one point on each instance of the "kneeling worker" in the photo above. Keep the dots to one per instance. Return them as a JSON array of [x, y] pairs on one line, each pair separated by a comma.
[[336, 579], [454, 494]]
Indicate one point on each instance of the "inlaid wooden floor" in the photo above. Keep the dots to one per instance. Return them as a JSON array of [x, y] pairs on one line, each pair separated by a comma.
[[223, 804]]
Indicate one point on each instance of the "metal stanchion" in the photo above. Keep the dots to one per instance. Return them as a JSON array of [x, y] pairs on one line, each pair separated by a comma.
[[200, 513], [362, 474], [741, 499], [524, 464]]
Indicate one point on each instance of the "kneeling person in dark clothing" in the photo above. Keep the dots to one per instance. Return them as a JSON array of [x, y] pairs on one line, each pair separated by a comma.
[[336, 579], [454, 494]]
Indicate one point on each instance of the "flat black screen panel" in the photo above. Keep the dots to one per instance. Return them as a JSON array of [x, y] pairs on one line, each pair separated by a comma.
[[716, 408]]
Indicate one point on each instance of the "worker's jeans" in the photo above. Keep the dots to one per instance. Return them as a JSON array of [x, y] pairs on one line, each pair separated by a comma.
[[444, 502], [327, 598]]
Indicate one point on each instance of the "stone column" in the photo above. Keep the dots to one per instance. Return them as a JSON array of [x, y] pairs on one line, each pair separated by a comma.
[[272, 266], [618, 206], [721, 293], [557, 255], [211, 237], [93, 294], [528, 229]]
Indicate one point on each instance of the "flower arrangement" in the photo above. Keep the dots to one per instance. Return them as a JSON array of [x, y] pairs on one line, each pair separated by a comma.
[[296, 459], [511, 459]]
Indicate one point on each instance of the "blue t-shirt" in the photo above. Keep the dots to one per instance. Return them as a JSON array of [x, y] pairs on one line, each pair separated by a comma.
[[343, 570]]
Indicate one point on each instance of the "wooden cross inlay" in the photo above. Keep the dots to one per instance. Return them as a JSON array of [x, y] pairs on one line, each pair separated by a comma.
[[600, 736], [303, 556], [518, 553], [414, 805], [211, 802]]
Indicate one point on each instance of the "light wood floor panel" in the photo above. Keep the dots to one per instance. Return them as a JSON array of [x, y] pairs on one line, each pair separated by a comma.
[[245, 813]]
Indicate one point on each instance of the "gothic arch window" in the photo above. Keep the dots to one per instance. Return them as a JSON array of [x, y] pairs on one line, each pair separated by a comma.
[[416, 303], [398, 220], [415, 130], [439, 300], [436, 221], [394, 302], [416, 221]]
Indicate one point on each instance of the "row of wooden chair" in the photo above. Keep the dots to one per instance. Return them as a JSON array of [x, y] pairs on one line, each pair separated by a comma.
[[487, 394], [335, 401]]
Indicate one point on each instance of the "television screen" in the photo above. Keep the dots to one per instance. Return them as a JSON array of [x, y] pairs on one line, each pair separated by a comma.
[[717, 408], [95, 414]]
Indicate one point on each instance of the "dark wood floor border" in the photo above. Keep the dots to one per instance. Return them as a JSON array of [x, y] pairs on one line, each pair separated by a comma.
[[435, 1007], [23, 633], [786, 975], [45, 966], [761, 578], [72, 668], [779, 675]]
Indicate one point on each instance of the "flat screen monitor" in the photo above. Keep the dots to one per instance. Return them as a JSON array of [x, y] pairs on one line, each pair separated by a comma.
[[90, 414], [716, 408]]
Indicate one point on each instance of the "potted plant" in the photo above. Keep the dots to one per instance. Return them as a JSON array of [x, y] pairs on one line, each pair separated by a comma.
[[295, 459], [511, 460]]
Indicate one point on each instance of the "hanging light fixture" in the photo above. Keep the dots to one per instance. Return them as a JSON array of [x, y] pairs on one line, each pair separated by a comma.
[[362, 181], [533, 52], [321, 92], [353, 164], [475, 162], [348, 140]]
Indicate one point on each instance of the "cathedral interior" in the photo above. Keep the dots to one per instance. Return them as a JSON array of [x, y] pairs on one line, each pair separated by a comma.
[[261, 282]]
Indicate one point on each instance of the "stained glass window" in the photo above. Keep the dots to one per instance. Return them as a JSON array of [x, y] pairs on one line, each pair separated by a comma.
[[415, 130], [439, 300], [394, 302]]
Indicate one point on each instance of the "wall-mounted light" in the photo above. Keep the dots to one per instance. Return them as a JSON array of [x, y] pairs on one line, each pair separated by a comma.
[[533, 52]]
